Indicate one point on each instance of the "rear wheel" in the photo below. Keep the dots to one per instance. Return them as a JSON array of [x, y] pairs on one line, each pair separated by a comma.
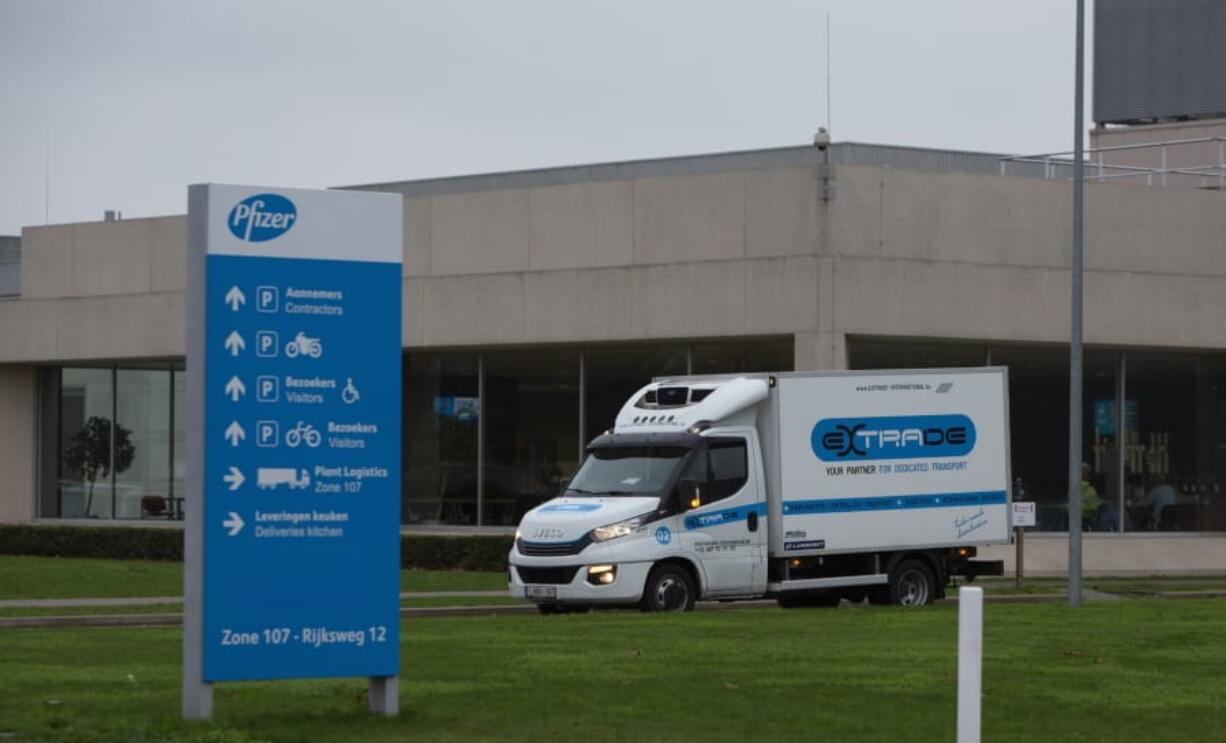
[[669, 588], [912, 584]]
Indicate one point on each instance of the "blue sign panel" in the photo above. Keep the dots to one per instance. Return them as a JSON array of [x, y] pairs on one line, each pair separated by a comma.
[[301, 432]]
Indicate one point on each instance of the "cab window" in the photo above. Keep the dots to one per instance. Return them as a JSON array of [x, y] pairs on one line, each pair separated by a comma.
[[728, 466], [718, 473]]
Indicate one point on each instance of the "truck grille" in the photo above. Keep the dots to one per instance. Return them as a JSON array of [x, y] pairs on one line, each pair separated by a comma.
[[557, 576], [553, 549]]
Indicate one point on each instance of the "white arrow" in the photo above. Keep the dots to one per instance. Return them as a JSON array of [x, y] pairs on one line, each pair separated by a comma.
[[235, 433], [235, 298], [235, 388], [235, 343], [234, 478], [234, 523]]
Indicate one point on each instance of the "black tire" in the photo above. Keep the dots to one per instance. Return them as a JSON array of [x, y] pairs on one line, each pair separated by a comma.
[[912, 584], [825, 599], [669, 588]]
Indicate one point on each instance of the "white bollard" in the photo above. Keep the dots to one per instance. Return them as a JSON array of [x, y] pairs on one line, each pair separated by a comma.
[[970, 663]]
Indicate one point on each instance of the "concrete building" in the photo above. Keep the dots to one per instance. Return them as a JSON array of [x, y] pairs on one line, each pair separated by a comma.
[[535, 302]]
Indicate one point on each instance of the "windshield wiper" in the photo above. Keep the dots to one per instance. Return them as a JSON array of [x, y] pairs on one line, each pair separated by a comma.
[[581, 490]]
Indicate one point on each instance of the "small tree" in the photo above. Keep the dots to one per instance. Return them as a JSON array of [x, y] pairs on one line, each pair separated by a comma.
[[89, 453]]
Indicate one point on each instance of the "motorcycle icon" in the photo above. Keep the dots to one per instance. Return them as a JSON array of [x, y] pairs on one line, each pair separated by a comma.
[[301, 344], [350, 394], [303, 432]]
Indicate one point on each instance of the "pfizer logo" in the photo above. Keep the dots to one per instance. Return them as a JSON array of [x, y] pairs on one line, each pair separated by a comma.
[[663, 535], [263, 217]]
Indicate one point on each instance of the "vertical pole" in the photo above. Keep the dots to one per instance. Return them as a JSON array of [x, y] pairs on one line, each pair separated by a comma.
[[384, 693], [1121, 435], [1074, 414], [1019, 570], [480, 438], [970, 663], [197, 694]]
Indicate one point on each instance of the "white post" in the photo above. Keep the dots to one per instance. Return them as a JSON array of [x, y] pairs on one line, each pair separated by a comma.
[[970, 663]]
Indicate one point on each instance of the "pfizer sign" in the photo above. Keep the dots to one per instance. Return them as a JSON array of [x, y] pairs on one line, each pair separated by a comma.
[[263, 217]]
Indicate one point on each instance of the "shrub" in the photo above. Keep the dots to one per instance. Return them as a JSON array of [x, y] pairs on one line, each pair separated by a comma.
[[432, 551]]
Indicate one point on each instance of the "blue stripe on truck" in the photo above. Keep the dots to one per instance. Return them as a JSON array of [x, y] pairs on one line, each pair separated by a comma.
[[893, 503], [726, 516]]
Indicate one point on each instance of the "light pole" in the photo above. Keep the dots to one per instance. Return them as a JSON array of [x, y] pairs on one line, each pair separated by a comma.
[[1075, 351]]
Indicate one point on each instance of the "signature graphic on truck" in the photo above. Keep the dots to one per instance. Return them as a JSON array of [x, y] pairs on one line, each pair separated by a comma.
[[893, 437], [268, 478], [969, 523]]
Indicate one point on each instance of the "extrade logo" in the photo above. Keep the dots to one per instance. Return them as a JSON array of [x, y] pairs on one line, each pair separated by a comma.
[[262, 217], [898, 437]]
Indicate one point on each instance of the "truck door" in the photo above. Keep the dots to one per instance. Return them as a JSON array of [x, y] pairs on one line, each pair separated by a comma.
[[724, 528]]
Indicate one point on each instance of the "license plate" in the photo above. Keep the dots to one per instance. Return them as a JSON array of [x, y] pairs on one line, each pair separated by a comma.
[[540, 592]]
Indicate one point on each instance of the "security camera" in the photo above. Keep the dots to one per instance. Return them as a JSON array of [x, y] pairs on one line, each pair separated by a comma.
[[822, 139]]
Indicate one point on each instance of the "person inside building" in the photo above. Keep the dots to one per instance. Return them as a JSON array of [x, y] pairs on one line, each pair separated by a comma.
[[1090, 500], [1160, 496]]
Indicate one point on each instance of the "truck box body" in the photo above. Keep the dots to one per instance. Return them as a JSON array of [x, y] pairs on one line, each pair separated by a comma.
[[886, 461]]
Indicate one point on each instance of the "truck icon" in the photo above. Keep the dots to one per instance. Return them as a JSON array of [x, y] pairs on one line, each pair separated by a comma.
[[268, 478]]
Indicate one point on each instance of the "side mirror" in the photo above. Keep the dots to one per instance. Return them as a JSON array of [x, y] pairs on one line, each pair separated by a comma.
[[689, 495]]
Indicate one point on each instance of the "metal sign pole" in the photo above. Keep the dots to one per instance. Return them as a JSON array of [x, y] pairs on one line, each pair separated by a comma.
[[1075, 349]]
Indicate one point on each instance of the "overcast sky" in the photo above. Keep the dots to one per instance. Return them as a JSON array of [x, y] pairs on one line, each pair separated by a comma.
[[129, 101]]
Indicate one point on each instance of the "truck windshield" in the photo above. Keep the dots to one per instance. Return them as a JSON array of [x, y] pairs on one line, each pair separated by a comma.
[[627, 470]]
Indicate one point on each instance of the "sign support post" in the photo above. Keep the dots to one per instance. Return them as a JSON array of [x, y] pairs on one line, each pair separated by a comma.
[[292, 532]]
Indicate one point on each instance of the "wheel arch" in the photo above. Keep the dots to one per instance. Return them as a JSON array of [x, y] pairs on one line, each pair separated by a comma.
[[685, 564]]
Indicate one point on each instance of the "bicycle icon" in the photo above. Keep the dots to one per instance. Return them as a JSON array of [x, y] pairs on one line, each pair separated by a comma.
[[303, 432], [350, 394], [305, 346]]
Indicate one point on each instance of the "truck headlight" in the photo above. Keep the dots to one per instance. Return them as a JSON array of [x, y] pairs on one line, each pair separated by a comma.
[[620, 529]]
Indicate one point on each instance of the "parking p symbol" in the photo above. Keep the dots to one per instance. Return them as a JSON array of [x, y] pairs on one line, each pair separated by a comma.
[[266, 343], [267, 298], [267, 388]]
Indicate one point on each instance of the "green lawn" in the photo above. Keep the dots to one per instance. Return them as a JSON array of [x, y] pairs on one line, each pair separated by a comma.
[[63, 577], [1132, 670]]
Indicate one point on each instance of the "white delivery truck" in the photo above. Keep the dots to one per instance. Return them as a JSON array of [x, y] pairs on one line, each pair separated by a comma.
[[806, 487]]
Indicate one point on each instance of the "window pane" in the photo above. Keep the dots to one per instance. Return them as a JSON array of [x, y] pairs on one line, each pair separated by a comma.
[[1100, 506], [1038, 420], [613, 374], [86, 407], [142, 444], [440, 439], [532, 429], [728, 467], [732, 357], [178, 467], [1174, 443]]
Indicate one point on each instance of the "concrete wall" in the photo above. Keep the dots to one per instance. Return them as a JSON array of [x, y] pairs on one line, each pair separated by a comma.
[[736, 253], [983, 257], [18, 437]]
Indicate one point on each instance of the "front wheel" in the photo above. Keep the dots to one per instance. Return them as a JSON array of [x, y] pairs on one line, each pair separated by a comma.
[[669, 588]]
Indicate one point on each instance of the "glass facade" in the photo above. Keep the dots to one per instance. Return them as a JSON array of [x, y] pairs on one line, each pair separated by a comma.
[[1164, 473], [118, 443], [489, 435]]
